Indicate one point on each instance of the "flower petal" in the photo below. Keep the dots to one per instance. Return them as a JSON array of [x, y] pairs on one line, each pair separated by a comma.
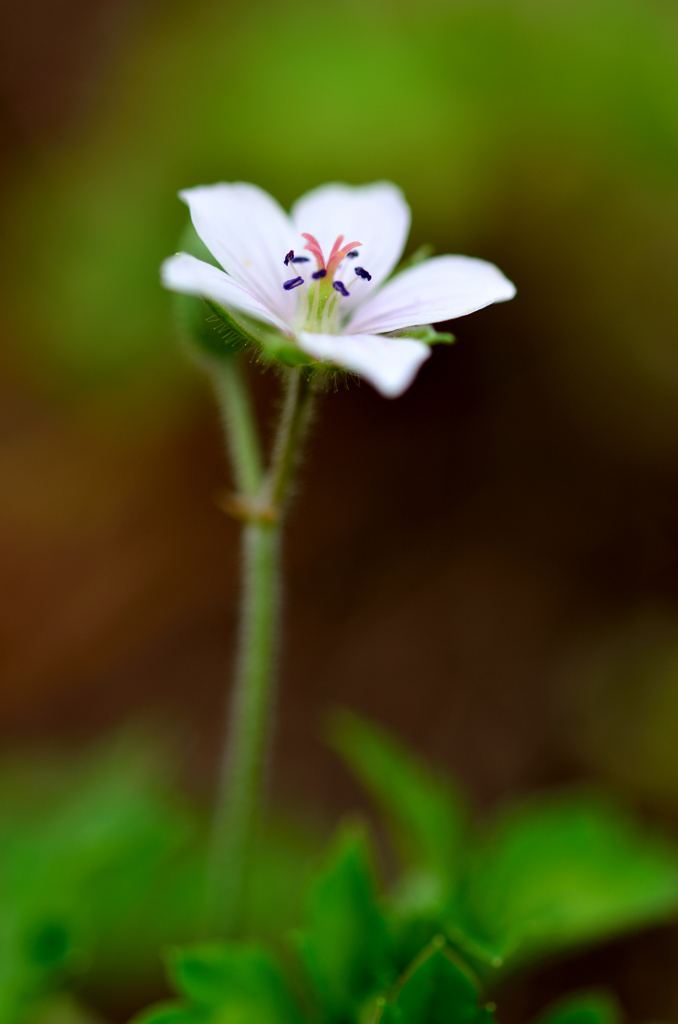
[[441, 288], [250, 234], [376, 215], [190, 276], [390, 364]]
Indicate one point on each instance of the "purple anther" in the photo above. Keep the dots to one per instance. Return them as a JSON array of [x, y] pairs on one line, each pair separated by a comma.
[[352, 254], [339, 287], [294, 283], [300, 259], [361, 272], [318, 274], [290, 256]]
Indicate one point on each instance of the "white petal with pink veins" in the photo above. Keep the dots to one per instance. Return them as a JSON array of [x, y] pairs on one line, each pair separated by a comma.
[[441, 288], [376, 215], [390, 364], [250, 235], [185, 274]]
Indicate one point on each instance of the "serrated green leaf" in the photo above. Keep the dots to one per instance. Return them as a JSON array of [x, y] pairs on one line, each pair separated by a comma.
[[593, 1007], [345, 944], [424, 810], [243, 979], [562, 871], [437, 989]]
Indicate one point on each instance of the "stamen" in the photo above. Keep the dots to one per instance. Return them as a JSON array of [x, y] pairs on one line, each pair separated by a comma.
[[352, 255], [318, 274], [316, 304], [293, 283], [328, 312], [340, 287], [361, 272], [290, 256], [300, 259]]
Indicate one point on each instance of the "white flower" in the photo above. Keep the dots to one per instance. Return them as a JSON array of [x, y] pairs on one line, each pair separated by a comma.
[[317, 274]]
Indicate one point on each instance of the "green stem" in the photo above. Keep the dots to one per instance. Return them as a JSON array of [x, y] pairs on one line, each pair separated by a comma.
[[293, 421], [243, 767], [238, 422]]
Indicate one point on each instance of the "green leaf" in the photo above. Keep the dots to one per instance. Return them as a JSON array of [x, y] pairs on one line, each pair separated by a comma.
[[565, 870], [424, 810], [244, 979], [345, 945], [62, 1009], [93, 848], [593, 1007], [174, 1013], [437, 989]]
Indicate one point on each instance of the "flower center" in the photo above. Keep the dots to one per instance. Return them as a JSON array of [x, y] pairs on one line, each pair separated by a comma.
[[323, 290]]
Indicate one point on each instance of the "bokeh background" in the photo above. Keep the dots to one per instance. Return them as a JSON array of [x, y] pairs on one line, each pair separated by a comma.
[[488, 565]]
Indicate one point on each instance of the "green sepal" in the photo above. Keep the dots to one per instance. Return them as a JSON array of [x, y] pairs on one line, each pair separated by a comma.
[[207, 332], [216, 331], [276, 347], [438, 988], [425, 333], [244, 979], [231, 331], [421, 253], [595, 1006], [212, 330], [345, 946]]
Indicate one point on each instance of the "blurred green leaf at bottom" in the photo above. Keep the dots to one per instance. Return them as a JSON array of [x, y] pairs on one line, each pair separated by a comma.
[[101, 867], [561, 871], [565, 870], [345, 945], [437, 989], [593, 1007], [425, 812], [243, 981]]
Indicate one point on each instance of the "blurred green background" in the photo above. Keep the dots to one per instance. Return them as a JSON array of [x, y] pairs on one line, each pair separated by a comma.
[[489, 564]]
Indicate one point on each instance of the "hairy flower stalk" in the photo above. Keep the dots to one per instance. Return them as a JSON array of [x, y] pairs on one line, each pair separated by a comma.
[[331, 302], [261, 505]]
